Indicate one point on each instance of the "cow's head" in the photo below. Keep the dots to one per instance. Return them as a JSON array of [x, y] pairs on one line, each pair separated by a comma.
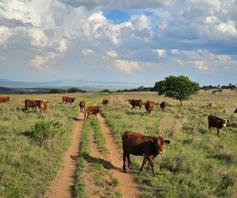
[[160, 142], [225, 123]]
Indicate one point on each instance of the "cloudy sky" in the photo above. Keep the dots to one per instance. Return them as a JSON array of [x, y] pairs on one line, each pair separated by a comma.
[[126, 40]]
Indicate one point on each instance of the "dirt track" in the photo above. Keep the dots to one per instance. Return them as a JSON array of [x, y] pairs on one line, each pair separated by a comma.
[[126, 184], [62, 186]]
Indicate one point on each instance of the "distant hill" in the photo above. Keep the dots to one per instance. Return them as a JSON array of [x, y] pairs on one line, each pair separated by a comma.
[[67, 83]]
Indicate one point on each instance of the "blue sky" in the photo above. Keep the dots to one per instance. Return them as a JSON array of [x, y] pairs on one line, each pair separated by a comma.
[[132, 41]]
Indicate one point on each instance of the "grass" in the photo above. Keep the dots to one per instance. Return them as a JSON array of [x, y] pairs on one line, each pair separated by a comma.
[[103, 181], [197, 163]]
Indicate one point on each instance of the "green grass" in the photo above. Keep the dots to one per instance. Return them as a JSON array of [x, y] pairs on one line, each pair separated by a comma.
[[197, 163]]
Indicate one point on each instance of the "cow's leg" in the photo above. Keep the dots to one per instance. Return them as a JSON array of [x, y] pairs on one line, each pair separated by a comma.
[[124, 162], [151, 164], [218, 132], [143, 163], [129, 161]]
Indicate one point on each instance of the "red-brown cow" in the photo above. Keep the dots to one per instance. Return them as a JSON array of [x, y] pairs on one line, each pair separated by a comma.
[[105, 101], [216, 122], [135, 103], [32, 104], [67, 99], [138, 144], [149, 106], [82, 105], [91, 110], [163, 105], [43, 105], [4, 99]]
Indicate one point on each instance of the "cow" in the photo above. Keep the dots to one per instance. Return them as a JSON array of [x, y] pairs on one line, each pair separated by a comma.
[[149, 106], [32, 104], [135, 103], [138, 144], [163, 105], [235, 110], [91, 110], [105, 101], [67, 99], [43, 105], [216, 122], [4, 99], [82, 105]]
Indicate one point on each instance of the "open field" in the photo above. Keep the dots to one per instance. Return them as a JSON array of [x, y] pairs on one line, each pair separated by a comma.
[[197, 163]]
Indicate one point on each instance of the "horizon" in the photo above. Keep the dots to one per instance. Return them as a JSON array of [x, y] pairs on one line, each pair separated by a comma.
[[126, 41]]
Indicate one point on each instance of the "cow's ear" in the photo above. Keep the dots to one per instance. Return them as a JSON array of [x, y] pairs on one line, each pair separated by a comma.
[[167, 141]]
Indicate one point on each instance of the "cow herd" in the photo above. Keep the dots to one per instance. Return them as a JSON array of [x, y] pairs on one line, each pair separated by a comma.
[[132, 142]]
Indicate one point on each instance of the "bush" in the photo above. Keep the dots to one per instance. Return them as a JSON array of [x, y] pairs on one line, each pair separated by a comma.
[[44, 132]]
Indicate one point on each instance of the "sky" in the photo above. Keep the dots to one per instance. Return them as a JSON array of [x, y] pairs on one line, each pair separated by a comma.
[[127, 40]]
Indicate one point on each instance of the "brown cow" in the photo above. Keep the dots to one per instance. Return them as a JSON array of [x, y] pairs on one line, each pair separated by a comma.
[[216, 122], [4, 99], [135, 103], [82, 105], [67, 99], [32, 104], [235, 110], [105, 101], [43, 105], [91, 110], [163, 105], [138, 144], [149, 106]]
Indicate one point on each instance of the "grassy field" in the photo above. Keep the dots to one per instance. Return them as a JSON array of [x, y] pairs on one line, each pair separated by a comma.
[[27, 166], [197, 163]]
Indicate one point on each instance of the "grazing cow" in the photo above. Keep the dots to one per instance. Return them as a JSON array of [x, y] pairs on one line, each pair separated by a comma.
[[43, 105], [32, 104], [4, 99], [149, 106], [105, 101], [67, 99], [91, 110], [163, 105], [135, 103], [82, 105], [235, 110], [216, 122], [138, 144]]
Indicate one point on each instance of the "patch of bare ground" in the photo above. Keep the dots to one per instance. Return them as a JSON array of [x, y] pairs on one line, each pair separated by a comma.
[[126, 184], [62, 185]]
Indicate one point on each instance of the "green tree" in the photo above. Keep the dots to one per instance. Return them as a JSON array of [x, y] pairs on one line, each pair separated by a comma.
[[177, 87]]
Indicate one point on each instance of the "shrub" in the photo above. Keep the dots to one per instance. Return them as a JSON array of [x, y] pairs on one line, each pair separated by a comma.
[[44, 132]]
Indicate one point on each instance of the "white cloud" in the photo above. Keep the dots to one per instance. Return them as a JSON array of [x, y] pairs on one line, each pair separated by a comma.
[[127, 66], [228, 29], [5, 34], [38, 37], [87, 52], [200, 65], [160, 52], [62, 47], [112, 53], [39, 61]]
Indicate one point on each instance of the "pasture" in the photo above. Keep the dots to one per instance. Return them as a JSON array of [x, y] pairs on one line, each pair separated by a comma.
[[197, 163]]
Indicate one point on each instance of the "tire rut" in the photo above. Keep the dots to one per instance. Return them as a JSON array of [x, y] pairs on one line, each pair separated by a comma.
[[126, 184], [62, 185]]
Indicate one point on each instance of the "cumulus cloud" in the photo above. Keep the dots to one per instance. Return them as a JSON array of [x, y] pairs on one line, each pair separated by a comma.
[[160, 52], [127, 66], [5, 34]]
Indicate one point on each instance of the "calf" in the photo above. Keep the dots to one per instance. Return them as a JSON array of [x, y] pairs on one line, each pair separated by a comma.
[[149, 106], [82, 105], [135, 103], [4, 99], [67, 99], [105, 101], [216, 122], [138, 144], [91, 110], [163, 105]]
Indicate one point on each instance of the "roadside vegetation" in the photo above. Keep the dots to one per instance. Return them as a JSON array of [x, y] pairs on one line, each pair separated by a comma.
[[197, 163]]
